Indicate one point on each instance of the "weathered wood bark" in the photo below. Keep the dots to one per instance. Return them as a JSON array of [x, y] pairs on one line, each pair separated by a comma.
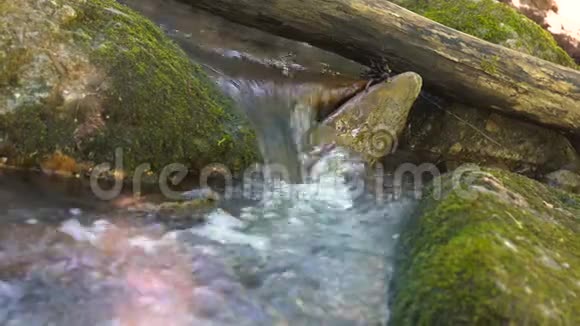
[[451, 63]]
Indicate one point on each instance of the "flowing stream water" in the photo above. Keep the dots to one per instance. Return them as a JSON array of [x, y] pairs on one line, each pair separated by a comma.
[[313, 250]]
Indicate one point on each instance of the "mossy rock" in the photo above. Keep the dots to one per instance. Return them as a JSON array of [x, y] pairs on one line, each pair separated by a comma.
[[371, 122], [82, 78], [494, 22], [184, 214], [498, 249]]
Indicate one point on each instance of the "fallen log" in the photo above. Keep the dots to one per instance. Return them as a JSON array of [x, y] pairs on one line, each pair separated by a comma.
[[451, 63]]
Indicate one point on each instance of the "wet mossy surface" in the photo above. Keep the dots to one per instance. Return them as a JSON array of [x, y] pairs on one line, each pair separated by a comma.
[[371, 122], [494, 22], [143, 95], [502, 251]]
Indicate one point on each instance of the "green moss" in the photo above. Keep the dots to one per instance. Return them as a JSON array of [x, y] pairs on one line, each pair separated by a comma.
[[5, 6], [10, 64], [162, 108], [494, 22], [154, 102], [490, 65], [36, 131], [506, 254]]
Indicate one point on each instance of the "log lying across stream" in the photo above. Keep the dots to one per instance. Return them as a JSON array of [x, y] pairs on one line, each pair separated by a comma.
[[451, 63]]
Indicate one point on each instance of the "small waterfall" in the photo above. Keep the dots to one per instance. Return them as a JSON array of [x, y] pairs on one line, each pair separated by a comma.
[[269, 107], [283, 114], [301, 121]]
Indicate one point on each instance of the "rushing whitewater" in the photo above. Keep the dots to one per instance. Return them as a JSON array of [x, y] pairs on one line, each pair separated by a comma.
[[313, 253]]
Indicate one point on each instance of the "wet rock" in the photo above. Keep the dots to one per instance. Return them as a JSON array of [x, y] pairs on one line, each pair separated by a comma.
[[80, 79], [202, 194], [186, 212], [494, 22], [206, 302], [565, 180], [496, 248], [192, 209], [327, 98], [371, 122], [456, 134]]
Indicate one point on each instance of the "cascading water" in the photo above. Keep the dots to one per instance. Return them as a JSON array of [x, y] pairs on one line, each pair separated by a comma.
[[325, 243], [316, 249], [266, 104]]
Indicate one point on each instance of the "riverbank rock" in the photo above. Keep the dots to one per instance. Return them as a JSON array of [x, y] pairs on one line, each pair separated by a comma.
[[494, 22], [184, 214], [565, 180], [497, 249], [371, 122], [80, 79], [456, 134]]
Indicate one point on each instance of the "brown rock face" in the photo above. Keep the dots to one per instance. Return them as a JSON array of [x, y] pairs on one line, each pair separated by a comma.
[[460, 134], [328, 98]]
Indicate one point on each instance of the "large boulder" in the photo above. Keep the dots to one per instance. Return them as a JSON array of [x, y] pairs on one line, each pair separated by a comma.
[[495, 249], [371, 122], [494, 22], [80, 78]]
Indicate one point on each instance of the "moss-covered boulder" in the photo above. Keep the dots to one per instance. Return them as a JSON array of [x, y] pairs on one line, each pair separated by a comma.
[[496, 249], [371, 122], [494, 22], [80, 78]]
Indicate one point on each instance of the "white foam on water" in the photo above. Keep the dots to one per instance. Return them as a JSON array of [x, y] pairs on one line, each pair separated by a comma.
[[77, 231], [225, 228]]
